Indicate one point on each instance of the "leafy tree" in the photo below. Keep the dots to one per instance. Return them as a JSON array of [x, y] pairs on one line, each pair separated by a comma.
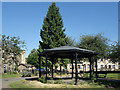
[[33, 58], [96, 43], [70, 41], [52, 34], [11, 47], [114, 55], [65, 62]]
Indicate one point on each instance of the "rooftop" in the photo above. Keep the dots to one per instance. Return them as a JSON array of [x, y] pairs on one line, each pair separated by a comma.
[[68, 52]]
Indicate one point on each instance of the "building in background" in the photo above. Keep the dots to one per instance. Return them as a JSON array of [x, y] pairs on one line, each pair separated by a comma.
[[22, 59], [8, 64], [103, 65]]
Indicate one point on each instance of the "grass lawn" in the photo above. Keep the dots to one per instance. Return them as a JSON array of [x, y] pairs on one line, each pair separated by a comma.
[[37, 84], [10, 75], [111, 76], [21, 84]]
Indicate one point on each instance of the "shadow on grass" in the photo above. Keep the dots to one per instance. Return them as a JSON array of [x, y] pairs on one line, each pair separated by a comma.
[[109, 83], [58, 78], [35, 78]]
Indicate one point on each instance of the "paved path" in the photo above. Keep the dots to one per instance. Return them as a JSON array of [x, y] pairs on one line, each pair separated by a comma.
[[7, 81]]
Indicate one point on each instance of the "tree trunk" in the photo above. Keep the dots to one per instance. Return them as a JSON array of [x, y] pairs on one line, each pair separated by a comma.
[[92, 73], [13, 64]]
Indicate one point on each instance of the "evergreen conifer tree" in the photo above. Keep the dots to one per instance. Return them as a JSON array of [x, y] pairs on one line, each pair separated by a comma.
[[52, 32]]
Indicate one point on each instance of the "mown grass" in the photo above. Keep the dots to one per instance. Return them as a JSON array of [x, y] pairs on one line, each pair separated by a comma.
[[7, 75], [108, 76], [37, 84], [111, 76], [21, 84]]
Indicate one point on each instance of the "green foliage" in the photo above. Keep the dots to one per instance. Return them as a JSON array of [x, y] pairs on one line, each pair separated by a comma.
[[11, 75], [52, 34], [114, 55], [58, 82], [50, 81], [11, 45], [10, 72], [56, 65], [14, 72], [16, 67], [70, 41], [63, 62], [86, 75], [33, 58], [11, 48], [111, 76], [96, 43], [42, 79], [51, 78]]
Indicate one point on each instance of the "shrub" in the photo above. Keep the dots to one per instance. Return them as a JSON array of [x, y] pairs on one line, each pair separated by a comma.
[[50, 81], [89, 82], [85, 75], [51, 78], [58, 82], [42, 79], [14, 72]]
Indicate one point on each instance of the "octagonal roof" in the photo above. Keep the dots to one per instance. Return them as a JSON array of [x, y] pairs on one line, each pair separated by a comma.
[[68, 52]]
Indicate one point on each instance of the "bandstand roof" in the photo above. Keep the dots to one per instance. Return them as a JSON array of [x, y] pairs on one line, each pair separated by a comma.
[[68, 52]]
